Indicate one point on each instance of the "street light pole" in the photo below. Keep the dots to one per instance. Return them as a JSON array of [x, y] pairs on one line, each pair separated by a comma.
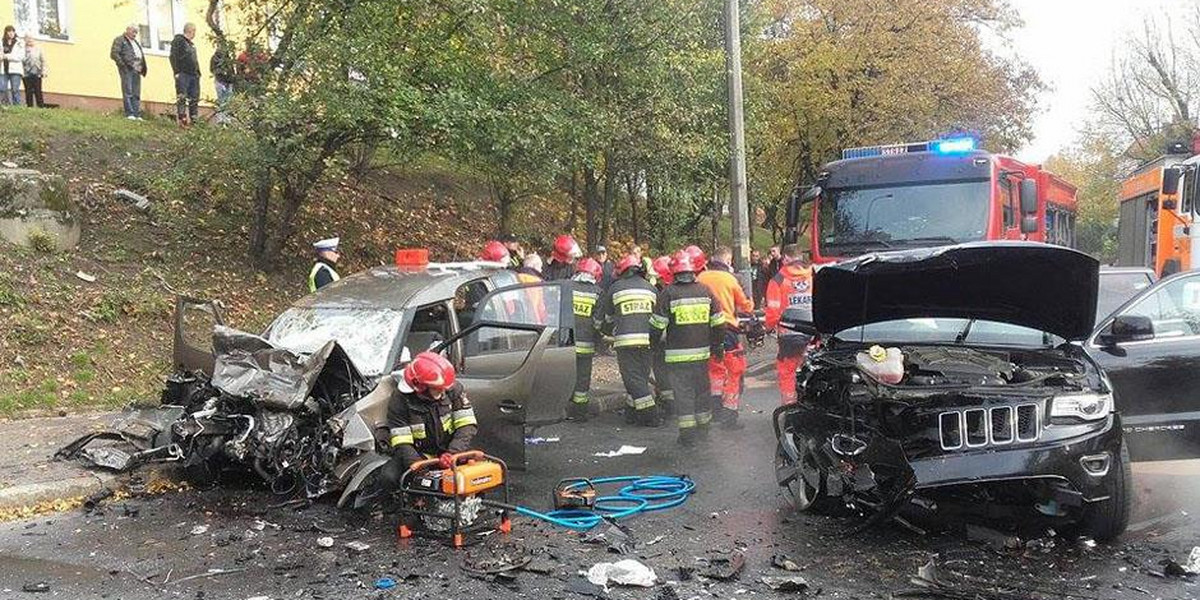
[[738, 206]]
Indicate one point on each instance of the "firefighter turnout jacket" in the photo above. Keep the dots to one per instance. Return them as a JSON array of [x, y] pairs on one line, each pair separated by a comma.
[[626, 308], [584, 297], [419, 426], [691, 318]]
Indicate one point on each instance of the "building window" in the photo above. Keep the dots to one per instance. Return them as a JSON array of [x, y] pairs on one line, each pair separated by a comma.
[[46, 19], [158, 22]]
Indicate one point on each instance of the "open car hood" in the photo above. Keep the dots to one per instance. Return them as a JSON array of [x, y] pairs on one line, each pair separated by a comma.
[[1043, 287]]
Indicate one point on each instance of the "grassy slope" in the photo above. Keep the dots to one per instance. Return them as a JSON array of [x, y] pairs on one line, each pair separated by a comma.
[[67, 344]]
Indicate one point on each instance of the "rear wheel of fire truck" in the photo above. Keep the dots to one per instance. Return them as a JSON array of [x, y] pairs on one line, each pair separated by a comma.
[[802, 495], [1107, 519]]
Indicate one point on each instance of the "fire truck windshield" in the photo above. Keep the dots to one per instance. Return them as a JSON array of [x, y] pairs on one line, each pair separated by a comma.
[[855, 220]]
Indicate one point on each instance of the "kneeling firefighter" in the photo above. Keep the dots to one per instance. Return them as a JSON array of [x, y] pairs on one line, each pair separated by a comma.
[[428, 416]]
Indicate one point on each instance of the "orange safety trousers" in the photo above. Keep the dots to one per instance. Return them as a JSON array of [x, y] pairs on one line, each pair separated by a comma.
[[725, 377]]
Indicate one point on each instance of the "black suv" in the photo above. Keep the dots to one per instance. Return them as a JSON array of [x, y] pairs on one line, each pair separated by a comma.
[[997, 388]]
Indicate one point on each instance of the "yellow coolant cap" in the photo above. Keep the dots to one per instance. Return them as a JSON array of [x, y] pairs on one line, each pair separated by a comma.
[[877, 354]]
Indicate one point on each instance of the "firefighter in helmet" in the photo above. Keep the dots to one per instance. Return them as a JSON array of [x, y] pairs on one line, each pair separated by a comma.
[[662, 383], [691, 323], [428, 415], [562, 258], [625, 310], [585, 293]]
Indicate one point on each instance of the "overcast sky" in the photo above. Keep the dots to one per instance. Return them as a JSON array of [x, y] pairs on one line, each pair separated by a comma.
[[1070, 43]]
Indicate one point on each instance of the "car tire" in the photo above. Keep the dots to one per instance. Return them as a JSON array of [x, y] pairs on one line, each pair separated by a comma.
[[1107, 519], [802, 496]]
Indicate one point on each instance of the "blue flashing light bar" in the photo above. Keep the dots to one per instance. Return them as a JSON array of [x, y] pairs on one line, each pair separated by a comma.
[[946, 146]]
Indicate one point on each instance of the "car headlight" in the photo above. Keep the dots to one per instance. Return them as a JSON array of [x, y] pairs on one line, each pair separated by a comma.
[[1089, 407]]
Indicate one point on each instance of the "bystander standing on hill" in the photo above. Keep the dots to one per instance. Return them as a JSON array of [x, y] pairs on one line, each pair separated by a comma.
[[130, 59], [186, 67], [11, 67], [35, 71], [223, 69]]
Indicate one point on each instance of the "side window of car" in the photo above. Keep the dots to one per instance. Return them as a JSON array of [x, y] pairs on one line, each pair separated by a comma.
[[1174, 308]]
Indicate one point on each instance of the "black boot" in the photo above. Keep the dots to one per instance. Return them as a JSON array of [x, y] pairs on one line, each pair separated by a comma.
[[649, 417], [631, 416], [687, 437], [729, 420], [577, 411]]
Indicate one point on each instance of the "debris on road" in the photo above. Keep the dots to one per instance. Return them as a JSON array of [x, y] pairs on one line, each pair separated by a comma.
[[92, 502], [619, 539], [996, 540], [722, 566], [138, 200], [85, 276], [622, 451], [199, 530], [584, 587], [36, 588], [385, 583], [325, 542], [786, 584], [538, 441], [491, 566], [625, 572], [781, 561], [357, 547], [1192, 566]]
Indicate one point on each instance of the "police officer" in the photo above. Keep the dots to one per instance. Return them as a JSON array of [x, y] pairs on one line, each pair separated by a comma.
[[693, 330], [322, 272], [585, 293], [625, 309], [791, 287], [563, 255], [428, 416]]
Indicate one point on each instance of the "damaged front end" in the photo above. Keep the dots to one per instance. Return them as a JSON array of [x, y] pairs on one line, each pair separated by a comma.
[[265, 410], [958, 416]]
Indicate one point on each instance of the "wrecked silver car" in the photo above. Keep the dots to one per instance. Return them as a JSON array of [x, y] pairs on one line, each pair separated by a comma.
[[957, 366], [303, 407]]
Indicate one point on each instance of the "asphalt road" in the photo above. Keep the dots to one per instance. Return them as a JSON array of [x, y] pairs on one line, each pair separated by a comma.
[[153, 546]]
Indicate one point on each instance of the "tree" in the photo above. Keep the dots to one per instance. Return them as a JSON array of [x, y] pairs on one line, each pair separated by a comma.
[[1095, 164], [832, 74]]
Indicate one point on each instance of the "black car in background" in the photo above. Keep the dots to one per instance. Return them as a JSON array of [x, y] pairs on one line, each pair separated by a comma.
[[1002, 394]]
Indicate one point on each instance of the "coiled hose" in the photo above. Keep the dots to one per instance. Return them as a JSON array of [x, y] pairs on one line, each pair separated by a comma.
[[640, 494]]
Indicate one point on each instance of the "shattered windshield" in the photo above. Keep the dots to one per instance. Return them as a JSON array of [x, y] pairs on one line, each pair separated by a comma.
[[947, 331], [367, 335], [855, 220]]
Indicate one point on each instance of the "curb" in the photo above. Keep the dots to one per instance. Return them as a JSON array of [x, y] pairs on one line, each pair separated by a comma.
[[27, 494]]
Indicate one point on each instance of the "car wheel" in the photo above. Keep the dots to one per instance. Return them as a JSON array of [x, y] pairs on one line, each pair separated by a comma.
[[790, 472], [1107, 519]]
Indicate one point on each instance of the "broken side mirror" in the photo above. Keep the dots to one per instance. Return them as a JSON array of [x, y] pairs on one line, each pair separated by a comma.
[[1029, 196], [1128, 328], [1170, 181], [1029, 224]]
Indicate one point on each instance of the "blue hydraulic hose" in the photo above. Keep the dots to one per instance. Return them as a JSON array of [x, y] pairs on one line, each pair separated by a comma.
[[641, 494]]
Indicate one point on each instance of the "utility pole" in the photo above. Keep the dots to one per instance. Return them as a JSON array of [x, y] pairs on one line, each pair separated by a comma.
[[738, 206]]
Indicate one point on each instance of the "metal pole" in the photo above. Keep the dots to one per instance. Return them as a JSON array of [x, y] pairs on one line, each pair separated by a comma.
[[738, 207]]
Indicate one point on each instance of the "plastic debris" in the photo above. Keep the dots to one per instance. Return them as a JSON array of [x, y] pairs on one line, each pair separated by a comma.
[[199, 530], [35, 588], [325, 542], [357, 547], [1192, 566], [781, 561], [138, 200], [385, 583], [996, 540], [619, 538], [622, 451], [722, 566], [538, 441], [259, 598], [786, 584], [86, 276], [625, 572]]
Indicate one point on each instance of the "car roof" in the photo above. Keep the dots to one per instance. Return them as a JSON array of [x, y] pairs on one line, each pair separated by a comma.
[[393, 287]]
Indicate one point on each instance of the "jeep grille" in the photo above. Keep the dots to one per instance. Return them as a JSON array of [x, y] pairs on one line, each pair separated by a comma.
[[996, 426]]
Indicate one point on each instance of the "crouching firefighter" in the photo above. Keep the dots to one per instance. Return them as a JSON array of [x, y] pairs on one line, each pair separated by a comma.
[[626, 307], [691, 322], [585, 293], [428, 416]]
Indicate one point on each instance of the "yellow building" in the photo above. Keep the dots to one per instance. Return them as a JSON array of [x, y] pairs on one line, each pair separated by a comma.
[[76, 37]]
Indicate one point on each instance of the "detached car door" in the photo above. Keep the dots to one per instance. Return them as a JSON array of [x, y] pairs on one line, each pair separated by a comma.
[[516, 360], [1150, 348]]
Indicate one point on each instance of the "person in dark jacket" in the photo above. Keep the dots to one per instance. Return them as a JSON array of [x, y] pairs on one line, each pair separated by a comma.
[[563, 255], [428, 416], [186, 67], [585, 294], [689, 318], [130, 59], [624, 310], [606, 267], [224, 71]]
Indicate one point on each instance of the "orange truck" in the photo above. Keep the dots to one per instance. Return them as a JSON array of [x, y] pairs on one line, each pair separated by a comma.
[[1157, 215]]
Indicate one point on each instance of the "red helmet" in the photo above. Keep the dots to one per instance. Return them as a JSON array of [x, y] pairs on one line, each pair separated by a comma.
[[662, 267], [428, 371], [698, 256], [591, 267], [687, 262], [494, 251], [627, 262], [565, 249]]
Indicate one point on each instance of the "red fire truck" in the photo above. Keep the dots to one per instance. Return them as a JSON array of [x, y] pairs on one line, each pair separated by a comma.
[[933, 193]]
